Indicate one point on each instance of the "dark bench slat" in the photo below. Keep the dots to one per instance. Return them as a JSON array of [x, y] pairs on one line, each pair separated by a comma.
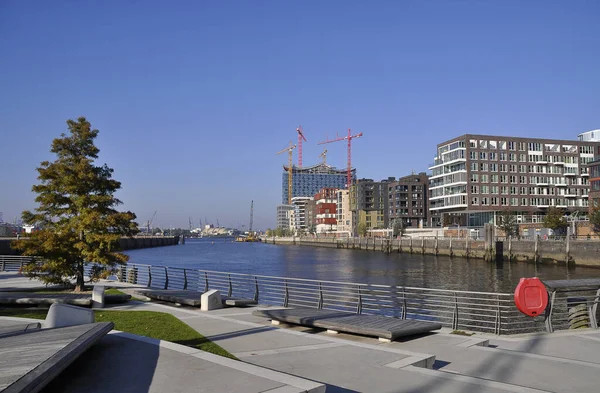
[[369, 325]]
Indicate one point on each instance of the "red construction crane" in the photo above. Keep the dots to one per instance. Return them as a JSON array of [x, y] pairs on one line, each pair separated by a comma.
[[349, 139], [300, 138]]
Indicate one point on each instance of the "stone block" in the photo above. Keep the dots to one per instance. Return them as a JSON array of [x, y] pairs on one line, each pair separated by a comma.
[[98, 296], [61, 315], [210, 300]]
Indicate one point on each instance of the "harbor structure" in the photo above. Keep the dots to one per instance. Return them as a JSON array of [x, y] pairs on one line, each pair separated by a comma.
[[474, 177]]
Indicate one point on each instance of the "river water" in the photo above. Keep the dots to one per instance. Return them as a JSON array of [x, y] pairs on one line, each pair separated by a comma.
[[359, 266]]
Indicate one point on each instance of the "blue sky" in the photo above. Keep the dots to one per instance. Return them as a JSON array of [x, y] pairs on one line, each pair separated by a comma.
[[194, 98]]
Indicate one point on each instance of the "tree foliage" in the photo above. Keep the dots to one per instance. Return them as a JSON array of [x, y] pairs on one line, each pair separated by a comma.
[[594, 217], [507, 222], [555, 220], [76, 213], [398, 228], [362, 228]]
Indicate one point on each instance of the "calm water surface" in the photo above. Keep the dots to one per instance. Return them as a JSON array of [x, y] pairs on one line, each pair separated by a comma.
[[351, 265]]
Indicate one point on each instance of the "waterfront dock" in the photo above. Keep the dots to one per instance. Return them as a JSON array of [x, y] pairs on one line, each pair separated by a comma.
[[567, 361]]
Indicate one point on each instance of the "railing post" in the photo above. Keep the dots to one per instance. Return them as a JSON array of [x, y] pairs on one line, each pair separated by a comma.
[[422, 245], [404, 304], [568, 246], [230, 290], [2, 265], [455, 313], [535, 249], [467, 246], [185, 283], [510, 248], [149, 276], [498, 323], [205, 281], [255, 289], [450, 245], [320, 305], [359, 304], [286, 296], [166, 278], [436, 244]]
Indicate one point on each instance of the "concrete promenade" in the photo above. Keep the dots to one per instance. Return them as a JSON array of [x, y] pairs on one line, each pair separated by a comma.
[[439, 362]]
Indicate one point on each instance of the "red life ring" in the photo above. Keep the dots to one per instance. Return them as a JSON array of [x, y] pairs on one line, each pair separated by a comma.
[[531, 296]]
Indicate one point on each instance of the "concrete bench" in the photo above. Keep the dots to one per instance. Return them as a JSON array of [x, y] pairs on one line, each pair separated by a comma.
[[190, 298], [385, 328], [238, 302], [32, 359]]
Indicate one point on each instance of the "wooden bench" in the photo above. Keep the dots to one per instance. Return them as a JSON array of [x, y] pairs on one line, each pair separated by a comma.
[[385, 328], [12, 330], [32, 359]]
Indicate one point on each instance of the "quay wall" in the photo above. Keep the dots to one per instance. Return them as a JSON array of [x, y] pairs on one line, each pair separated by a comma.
[[125, 243], [572, 252]]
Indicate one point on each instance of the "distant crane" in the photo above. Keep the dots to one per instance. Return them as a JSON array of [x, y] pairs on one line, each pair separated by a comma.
[[324, 156], [290, 163], [190, 221], [149, 223], [218, 225], [349, 139], [251, 216], [300, 138]]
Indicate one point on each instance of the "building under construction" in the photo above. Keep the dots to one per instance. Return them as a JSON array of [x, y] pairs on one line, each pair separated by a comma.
[[308, 181]]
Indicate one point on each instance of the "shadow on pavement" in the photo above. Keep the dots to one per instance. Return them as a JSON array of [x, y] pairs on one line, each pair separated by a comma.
[[239, 333], [114, 364], [501, 370]]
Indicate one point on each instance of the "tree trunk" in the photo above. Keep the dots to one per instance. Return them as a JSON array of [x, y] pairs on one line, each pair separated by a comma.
[[79, 283]]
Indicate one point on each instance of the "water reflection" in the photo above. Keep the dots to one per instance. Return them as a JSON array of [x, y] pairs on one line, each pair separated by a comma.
[[352, 265]]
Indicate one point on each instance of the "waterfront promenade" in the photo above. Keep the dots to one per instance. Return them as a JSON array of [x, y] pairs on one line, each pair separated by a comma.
[[558, 362]]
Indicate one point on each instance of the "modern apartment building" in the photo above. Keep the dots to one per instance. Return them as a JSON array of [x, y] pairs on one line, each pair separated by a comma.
[[475, 176], [594, 195], [344, 214], [369, 203], [408, 200], [285, 214], [300, 213], [326, 201], [307, 181]]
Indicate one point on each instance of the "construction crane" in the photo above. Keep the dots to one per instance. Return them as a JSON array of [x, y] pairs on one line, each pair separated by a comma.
[[190, 221], [251, 216], [300, 139], [149, 223], [349, 139], [324, 156], [289, 169]]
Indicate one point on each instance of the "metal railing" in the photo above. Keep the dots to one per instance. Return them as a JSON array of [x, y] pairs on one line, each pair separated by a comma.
[[460, 310]]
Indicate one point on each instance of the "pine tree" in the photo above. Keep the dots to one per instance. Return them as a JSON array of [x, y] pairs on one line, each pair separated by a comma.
[[76, 213]]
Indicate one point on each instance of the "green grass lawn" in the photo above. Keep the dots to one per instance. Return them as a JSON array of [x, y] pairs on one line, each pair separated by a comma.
[[153, 324]]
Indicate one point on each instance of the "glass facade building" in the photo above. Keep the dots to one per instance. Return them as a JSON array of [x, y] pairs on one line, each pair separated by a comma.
[[307, 181]]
